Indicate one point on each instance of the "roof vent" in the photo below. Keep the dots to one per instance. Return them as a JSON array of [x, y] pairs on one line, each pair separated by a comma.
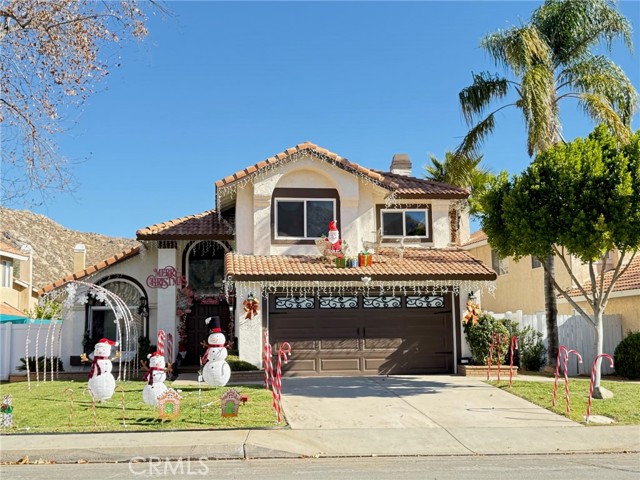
[[401, 164]]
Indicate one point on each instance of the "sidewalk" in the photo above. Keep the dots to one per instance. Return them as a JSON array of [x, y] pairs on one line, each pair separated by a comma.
[[357, 416]]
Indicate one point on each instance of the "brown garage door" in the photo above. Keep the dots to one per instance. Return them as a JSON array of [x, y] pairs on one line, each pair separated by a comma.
[[364, 335]]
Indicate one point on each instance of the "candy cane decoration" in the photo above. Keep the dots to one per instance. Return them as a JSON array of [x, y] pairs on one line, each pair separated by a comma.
[[593, 374], [283, 353], [267, 359], [499, 337], [566, 378], [555, 382], [70, 390], [514, 345], [161, 338], [169, 348], [493, 341], [121, 389]]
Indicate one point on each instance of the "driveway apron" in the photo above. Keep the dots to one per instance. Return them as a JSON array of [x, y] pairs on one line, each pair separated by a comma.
[[433, 401]]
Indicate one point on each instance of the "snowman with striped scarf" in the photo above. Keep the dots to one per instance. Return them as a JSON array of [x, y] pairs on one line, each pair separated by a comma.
[[215, 369], [101, 383], [155, 378]]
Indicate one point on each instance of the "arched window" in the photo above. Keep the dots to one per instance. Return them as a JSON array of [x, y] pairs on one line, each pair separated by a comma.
[[205, 268], [101, 318]]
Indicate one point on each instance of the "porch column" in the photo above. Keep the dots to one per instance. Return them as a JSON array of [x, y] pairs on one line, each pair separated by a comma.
[[166, 308]]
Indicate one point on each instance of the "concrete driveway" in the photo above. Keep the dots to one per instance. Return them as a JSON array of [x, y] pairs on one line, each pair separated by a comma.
[[434, 401]]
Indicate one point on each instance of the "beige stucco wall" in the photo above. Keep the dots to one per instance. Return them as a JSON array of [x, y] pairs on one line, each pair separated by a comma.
[[520, 289], [625, 304]]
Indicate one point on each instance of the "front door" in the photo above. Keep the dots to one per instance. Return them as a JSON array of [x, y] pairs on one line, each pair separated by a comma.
[[198, 331]]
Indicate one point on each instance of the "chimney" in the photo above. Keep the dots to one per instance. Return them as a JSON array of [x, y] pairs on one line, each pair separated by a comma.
[[79, 257], [401, 164]]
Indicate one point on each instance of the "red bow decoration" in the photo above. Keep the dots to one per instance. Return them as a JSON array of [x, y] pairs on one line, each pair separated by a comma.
[[251, 306]]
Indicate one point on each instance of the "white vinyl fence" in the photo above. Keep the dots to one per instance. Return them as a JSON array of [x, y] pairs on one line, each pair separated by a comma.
[[575, 333]]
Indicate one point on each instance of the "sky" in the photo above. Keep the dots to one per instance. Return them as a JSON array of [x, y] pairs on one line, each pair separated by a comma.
[[218, 86]]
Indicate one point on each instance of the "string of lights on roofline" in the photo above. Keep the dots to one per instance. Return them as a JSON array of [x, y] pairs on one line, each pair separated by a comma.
[[293, 157], [366, 286]]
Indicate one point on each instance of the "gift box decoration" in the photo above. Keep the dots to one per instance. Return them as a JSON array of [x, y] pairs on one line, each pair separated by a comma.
[[341, 262], [365, 259]]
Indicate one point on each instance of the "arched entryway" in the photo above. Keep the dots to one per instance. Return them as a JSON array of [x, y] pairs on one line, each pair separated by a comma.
[[203, 263]]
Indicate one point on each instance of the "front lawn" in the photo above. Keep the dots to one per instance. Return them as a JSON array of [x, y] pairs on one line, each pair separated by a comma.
[[623, 407], [46, 409]]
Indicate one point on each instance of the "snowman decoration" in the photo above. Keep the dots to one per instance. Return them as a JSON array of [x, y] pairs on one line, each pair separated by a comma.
[[102, 385], [155, 377], [215, 369]]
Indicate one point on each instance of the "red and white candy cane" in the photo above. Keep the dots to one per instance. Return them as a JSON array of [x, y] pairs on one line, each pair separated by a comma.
[[161, 338], [514, 346], [493, 342], [169, 348], [499, 337], [283, 353], [555, 382], [593, 374], [267, 360], [566, 378]]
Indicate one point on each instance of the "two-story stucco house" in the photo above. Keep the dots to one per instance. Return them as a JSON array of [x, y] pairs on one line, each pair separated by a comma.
[[400, 314]]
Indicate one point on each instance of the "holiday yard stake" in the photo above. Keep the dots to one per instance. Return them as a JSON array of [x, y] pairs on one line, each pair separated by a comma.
[[514, 346], [121, 389], [267, 359], [169, 349], [283, 353], [593, 374], [161, 338], [566, 379], [555, 382], [70, 390]]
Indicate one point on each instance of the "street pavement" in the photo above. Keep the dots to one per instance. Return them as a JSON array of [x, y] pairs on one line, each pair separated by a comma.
[[352, 417]]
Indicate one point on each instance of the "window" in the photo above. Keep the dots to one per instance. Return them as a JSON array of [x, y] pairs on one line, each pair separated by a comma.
[[206, 268], [404, 223], [535, 262], [500, 265], [6, 273], [303, 218]]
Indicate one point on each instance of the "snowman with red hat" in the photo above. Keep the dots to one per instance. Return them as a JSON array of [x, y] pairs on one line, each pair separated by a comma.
[[155, 378], [102, 385], [334, 237], [215, 369]]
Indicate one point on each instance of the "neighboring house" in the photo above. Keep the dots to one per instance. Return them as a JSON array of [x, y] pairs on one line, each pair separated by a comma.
[[520, 285], [16, 289], [402, 314], [624, 299]]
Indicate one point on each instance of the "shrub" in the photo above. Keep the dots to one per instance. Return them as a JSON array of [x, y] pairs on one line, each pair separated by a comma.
[[145, 348], [626, 358], [32, 364], [238, 365], [530, 354], [480, 334]]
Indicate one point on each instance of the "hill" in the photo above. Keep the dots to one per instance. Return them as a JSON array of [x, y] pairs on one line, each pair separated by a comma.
[[53, 244]]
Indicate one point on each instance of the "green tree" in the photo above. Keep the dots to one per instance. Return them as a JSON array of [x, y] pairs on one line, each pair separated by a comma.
[[465, 172], [547, 59], [581, 199]]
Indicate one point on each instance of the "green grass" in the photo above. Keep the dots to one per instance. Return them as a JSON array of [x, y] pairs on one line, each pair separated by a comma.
[[623, 407], [46, 409]]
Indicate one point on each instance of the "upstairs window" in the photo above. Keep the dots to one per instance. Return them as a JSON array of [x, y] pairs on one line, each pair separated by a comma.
[[500, 265], [303, 218], [535, 262], [7, 274], [404, 223]]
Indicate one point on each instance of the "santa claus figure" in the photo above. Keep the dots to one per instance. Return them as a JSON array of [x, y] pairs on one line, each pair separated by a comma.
[[155, 378], [215, 369], [101, 382], [334, 236]]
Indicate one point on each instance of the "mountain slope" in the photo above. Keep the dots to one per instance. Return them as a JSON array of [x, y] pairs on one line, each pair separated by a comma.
[[53, 244]]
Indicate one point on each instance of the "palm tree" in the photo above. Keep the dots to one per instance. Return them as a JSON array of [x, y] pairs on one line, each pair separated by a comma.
[[546, 60], [465, 172]]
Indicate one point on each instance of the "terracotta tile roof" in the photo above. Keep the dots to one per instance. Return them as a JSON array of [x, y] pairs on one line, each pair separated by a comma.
[[6, 309], [413, 187], [476, 237], [630, 280], [405, 187], [427, 264], [301, 147], [201, 226], [119, 257], [6, 247]]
